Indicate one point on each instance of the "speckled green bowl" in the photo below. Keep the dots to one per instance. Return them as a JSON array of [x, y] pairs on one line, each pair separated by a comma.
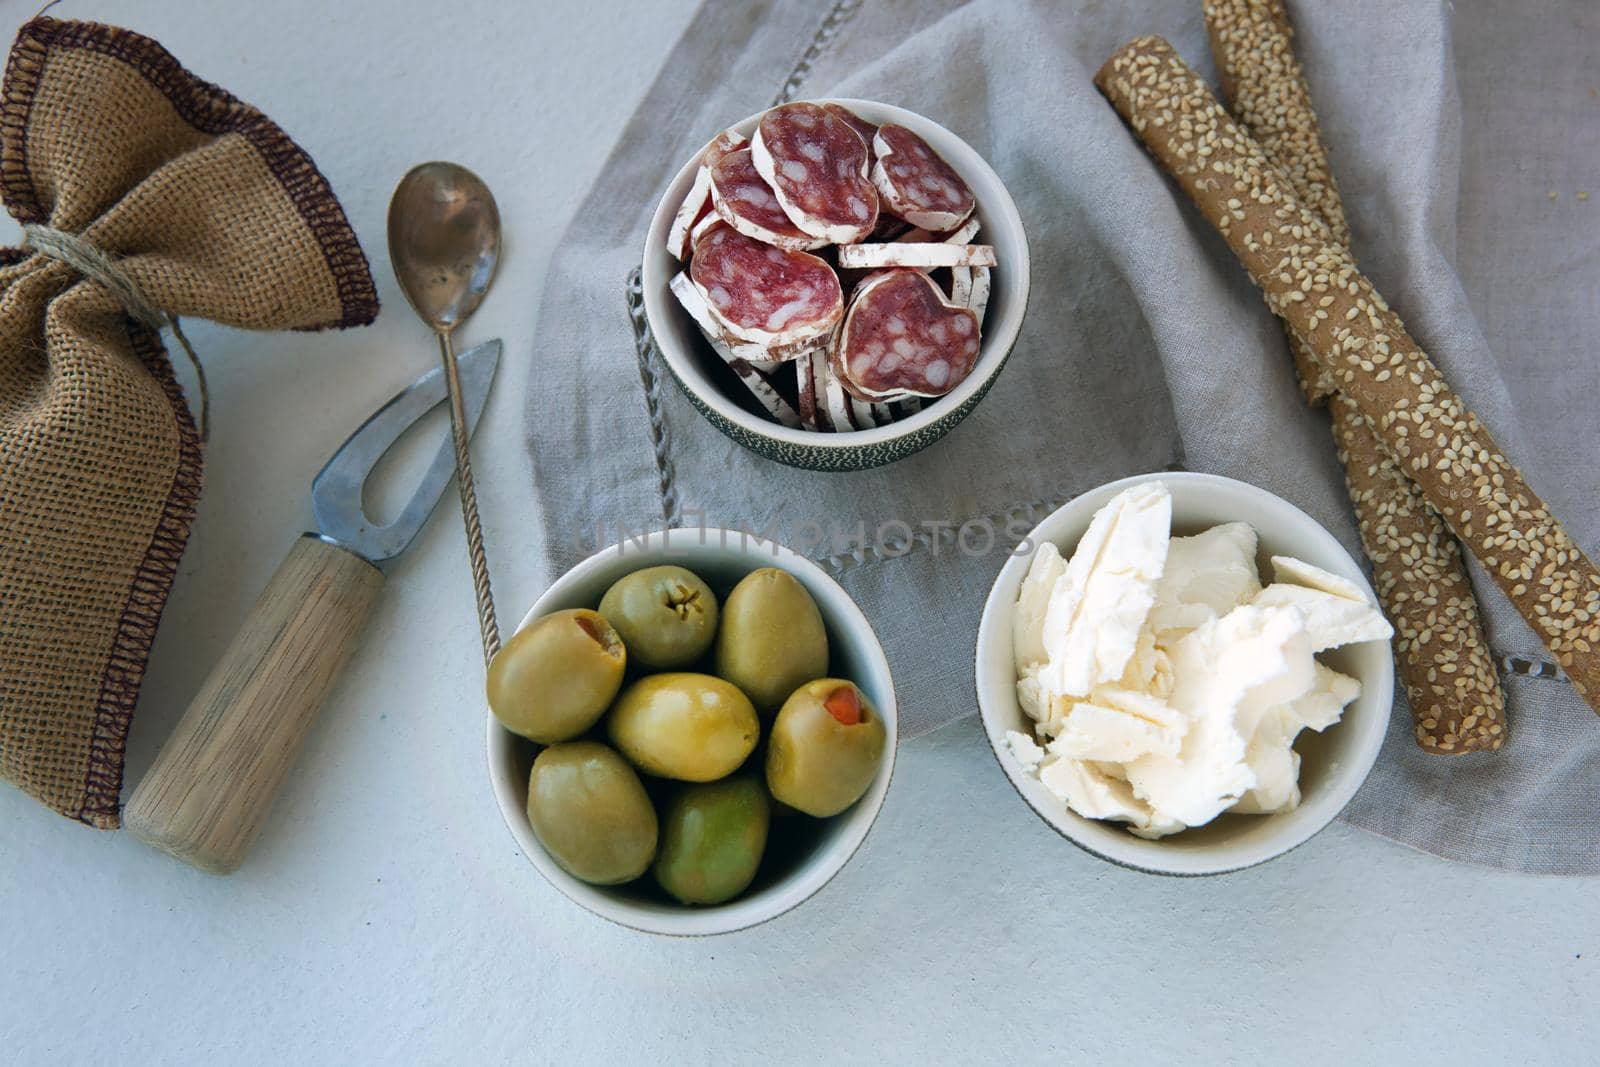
[[713, 390]]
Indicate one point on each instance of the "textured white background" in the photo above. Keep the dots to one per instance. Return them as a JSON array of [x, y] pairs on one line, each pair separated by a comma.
[[386, 913]]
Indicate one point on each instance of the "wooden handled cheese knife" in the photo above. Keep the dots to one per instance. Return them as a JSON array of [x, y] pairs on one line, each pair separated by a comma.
[[208, 793]]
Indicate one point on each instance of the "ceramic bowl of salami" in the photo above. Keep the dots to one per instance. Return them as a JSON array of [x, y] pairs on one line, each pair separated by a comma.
[[835, 284]]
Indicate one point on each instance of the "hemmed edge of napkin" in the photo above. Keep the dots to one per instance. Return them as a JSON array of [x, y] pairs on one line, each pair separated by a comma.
[[211, 110], [147, 598]]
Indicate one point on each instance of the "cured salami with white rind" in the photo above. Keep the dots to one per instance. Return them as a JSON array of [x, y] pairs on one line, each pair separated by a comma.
[[812, 372], [783, 301], [744, 200], [838, 402], [964, 233], [814, 163], [723, 143], [693, 210], [969, 287], [901, 254], [698, 203], [704, 226], [961, 235], [809, 397], [752, 372], [715, 333], [916, 183], [765, 394], [902, 337], [865, 130]]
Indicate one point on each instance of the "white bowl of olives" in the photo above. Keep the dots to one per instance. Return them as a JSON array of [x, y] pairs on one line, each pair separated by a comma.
[[691, 734]]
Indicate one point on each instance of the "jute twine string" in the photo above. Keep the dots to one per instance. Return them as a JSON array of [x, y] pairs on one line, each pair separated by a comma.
[[101, 266]]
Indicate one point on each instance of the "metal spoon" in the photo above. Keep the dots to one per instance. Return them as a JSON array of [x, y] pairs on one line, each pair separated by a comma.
[[444, 242]]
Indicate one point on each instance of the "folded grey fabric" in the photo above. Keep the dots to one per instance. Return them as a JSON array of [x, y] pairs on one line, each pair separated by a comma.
[[1145, 346]]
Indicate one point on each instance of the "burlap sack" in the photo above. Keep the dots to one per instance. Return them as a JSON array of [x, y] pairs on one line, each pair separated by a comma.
[[214, 212]]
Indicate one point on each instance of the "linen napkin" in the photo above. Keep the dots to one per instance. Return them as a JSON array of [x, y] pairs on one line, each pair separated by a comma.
[[1145, 345]]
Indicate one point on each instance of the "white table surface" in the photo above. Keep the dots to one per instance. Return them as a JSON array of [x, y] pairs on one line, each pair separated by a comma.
[[387, 915]]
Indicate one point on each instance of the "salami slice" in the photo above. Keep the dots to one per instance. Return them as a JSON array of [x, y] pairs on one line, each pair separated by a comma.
[[902, 338], [810, 400], [743, 199], [916, 183], [727, 346], [926, 256], [864, 129], [813, 161], [698, 203], [784, 301], [752, 372], [723, 143], [765, 394], [694, 208], [961, 235], [837, 402], [703, 226], [969, 287]]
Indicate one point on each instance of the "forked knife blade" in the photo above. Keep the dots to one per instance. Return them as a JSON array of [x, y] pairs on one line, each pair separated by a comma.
[[336, 490], [207, 795]]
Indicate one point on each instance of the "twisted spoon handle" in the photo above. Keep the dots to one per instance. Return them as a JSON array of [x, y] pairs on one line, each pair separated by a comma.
[[488, 625]]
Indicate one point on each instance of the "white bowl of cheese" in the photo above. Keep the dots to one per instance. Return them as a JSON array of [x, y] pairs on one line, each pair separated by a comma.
[[1209, 709]]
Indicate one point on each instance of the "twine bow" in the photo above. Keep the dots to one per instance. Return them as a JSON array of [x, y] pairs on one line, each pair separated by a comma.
[[101, 266]]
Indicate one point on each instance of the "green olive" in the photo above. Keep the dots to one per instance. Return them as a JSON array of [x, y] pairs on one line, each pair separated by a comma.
[[825, 747], [666, 615], [712, 839], [554, 679], [590, 812], [692, 727], [772, 639]]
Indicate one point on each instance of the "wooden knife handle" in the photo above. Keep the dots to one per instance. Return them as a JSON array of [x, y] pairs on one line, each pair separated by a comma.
[[209, 791]]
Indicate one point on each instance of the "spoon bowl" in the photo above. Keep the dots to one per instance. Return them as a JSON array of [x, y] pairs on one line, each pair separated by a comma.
[[444, 241]]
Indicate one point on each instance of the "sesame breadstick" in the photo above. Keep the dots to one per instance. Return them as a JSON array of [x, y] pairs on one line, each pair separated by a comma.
[[1441, 652], [1443, 658], [1309, 280]]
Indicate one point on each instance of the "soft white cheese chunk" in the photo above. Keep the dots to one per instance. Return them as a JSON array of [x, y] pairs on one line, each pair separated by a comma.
[[1100, 602], [1033, 700], [1323, 706], [1098, 732], [1046, 709], [1330, 620], [1145, 705], [1027, 625], [1293, 571], [1025, 749], [1206, 576], [1149, 668], [1249, 660], [1089, 791], [1276, 766]]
